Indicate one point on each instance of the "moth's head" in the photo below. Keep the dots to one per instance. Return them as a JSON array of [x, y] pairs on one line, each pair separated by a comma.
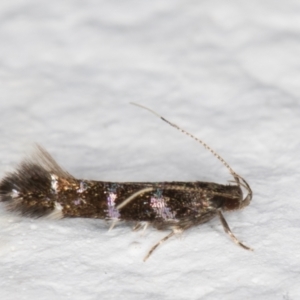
[[233, 198]]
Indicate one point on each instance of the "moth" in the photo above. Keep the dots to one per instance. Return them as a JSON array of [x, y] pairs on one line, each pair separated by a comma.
[[39, 187]]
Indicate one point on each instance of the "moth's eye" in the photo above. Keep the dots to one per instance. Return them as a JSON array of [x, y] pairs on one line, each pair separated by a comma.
[[218, 201], [231, 204]]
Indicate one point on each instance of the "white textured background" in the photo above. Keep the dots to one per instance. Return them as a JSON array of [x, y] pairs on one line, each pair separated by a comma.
[[227, 71]]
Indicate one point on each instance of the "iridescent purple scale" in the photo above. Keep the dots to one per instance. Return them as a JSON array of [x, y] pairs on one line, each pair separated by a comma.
[[159, 206], [112, 211]]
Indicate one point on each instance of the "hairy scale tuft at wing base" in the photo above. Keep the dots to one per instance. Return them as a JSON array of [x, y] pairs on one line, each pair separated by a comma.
[[29, 189]]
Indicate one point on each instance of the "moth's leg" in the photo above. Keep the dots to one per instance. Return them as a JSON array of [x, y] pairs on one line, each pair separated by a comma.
[[113, 224], [146, 224], [229, 232], [140, 225], [133, 196], [137, 226], [160, 242]]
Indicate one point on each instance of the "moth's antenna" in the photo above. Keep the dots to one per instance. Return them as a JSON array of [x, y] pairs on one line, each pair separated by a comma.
[[247, 200], [193, 137]]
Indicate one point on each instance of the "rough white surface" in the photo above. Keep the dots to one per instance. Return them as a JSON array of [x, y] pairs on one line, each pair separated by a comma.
[[227, 71]]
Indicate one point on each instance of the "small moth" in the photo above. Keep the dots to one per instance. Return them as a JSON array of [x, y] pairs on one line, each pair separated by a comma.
[[41, 188]]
